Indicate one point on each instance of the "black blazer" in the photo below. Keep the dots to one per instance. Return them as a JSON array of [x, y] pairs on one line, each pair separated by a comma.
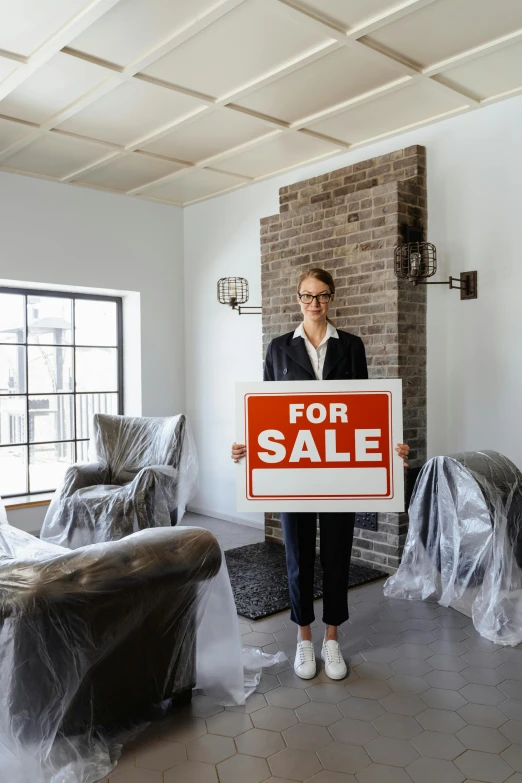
[[288, 360]]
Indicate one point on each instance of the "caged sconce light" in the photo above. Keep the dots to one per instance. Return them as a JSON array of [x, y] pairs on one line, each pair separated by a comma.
[[416, 260], [233, 291]]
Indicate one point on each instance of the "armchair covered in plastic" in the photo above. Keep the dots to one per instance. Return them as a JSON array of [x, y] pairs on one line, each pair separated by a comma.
[[143, 473], [97, 641], [464, 544]]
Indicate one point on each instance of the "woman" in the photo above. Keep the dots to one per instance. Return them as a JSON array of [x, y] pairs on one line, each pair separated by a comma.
[[317, 350]]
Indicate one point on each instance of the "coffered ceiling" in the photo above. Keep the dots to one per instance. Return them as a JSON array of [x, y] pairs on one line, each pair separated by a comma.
[[179, 100]]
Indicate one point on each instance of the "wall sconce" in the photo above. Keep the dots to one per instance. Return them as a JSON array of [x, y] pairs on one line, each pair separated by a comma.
[[233, 291], [416, 260]]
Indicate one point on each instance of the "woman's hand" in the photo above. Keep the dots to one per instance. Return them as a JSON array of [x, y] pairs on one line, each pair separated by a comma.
[[238, 451], [403, 450]]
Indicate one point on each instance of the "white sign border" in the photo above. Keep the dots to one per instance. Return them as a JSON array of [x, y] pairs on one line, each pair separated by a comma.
[[394, 504]]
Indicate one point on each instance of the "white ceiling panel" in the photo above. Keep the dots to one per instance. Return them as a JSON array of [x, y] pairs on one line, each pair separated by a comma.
[[7, 67], [56, 155], [416, 103], [489, 76], [281, 153], [51, 88], [274, 66], [255, 39], [349, 13], [448, 27], [133, 27], [198, 183], [11, 132], [27, 24], [210, 135], [333, 79], [131, 111], [129, 172]]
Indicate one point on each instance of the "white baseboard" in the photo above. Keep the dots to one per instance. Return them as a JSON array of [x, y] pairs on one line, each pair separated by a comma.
[[208, 512]]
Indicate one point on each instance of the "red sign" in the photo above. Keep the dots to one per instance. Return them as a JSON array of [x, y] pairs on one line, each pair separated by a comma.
[[320, 445], [334, 447]]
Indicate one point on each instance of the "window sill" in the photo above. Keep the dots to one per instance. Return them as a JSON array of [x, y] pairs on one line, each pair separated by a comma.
[[28, 501]]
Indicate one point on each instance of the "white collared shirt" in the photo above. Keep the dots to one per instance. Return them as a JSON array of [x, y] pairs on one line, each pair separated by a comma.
[[317, 355]]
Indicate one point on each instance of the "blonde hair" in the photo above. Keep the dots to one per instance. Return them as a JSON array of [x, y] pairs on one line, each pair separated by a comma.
[[318, 274]]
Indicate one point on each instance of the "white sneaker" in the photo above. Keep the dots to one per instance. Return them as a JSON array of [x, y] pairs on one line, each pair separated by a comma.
[[334, 664], [304, 664]]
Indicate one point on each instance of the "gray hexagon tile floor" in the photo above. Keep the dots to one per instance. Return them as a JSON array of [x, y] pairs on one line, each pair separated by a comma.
[[427, 701]]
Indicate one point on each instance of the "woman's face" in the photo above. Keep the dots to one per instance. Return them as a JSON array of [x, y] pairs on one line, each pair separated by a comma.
[[316, 310]]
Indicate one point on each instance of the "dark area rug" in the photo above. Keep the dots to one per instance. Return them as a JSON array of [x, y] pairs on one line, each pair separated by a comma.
[[259, 581]]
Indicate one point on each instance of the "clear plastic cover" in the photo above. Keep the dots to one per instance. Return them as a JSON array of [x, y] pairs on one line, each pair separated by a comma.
[[464, 543], [96, 642], [142, 473]]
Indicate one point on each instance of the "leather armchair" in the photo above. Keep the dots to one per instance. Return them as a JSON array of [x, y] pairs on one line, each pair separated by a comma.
[[98, 636]]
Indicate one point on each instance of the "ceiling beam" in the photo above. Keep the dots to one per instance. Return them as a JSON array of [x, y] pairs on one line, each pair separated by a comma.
[[12, 57], [330, 26], [116, 75], [395, 13], [208, 163], [502, 96], [352, 38], [315, 20], [208, 104], [391, 134], [241, 178], [55, 43], [473, 54], [127, 74], [407, 128], [180, 36], [85, 100], [352, 103]]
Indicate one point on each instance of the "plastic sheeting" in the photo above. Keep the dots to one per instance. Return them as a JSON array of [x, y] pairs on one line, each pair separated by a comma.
[[95, 642], [226, 672], [464, 544], [142, 473]]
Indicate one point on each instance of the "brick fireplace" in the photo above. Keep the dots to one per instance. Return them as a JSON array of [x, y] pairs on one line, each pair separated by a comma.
[[348, 222]]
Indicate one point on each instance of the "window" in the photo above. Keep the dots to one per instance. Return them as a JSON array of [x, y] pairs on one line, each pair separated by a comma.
[[60, 362]]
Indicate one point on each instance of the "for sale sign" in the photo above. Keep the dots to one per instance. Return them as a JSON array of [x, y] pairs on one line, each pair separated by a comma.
[[320, 446]]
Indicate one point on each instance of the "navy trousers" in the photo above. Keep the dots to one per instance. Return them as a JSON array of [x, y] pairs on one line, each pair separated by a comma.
[[336, 538]]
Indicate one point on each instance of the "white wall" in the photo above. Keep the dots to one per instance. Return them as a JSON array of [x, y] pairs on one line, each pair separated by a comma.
[[221, 346], [68, 237], [474, 356]]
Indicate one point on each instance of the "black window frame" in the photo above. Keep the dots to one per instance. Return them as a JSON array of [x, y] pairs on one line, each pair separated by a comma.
[[120, 391]]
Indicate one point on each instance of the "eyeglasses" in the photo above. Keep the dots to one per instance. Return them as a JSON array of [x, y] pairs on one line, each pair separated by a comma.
[[321, 298]]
